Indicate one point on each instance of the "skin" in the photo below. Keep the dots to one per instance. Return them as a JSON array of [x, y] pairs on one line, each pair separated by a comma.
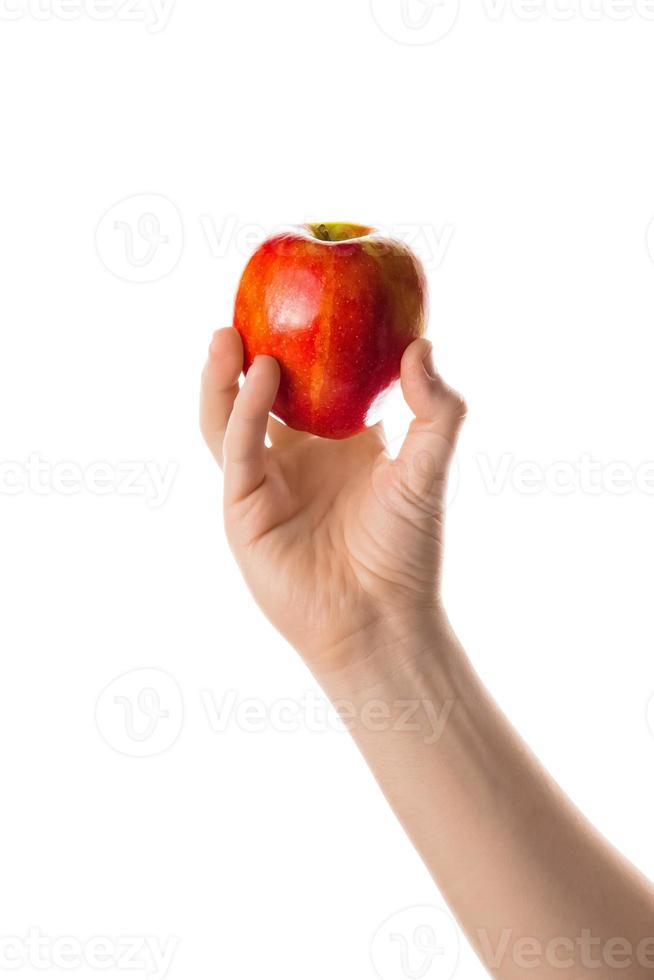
[[342, 549]]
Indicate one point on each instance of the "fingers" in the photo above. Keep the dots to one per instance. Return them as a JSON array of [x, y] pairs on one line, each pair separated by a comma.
[[245, 440], [234, 423], [439, 414], [439, 410], [220, 388]]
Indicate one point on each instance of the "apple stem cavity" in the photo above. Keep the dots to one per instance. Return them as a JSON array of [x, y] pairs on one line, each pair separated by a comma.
[[323, 233]]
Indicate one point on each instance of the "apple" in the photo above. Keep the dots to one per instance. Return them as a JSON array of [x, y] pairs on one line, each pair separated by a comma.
[[336, 305]]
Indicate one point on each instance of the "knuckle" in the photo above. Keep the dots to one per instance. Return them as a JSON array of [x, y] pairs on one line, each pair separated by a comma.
[[462, 407], [457, 405]]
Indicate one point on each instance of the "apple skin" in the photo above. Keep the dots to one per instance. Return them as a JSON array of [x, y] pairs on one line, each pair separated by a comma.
[[337, 305]]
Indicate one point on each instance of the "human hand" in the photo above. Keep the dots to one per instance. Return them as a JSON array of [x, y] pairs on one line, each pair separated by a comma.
[[342, 548], [340, 544]]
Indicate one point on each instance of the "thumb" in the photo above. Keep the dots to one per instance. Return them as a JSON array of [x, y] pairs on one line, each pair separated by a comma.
[[439, 415]]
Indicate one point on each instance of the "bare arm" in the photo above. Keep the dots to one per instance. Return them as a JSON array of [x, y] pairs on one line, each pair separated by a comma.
[[536, 889], [342, 548]]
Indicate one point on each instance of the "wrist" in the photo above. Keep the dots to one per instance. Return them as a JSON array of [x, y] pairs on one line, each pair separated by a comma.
[[406, 684], [387, 654]]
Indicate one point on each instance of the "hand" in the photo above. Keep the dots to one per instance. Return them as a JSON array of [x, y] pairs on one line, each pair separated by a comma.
[[340, 544], [342, 547]]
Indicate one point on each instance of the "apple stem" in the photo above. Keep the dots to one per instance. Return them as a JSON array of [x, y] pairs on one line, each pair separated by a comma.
[[323, 233]]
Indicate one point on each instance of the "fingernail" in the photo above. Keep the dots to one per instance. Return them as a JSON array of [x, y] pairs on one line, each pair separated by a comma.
[[428, 361]]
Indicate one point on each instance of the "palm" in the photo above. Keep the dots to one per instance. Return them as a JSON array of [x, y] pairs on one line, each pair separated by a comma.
[[332, 536], [337, 537]]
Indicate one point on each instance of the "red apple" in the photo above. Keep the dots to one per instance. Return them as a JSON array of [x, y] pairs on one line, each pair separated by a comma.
[[336, 305]]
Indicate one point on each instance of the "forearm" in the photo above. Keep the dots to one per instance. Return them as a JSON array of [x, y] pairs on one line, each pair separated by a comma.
[[513, 857], [328, 533]]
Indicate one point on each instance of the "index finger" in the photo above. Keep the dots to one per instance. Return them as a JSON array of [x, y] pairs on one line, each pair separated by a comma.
[[220, 388]]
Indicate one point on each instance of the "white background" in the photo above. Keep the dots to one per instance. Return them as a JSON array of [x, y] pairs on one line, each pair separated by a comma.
[[524, 146]]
